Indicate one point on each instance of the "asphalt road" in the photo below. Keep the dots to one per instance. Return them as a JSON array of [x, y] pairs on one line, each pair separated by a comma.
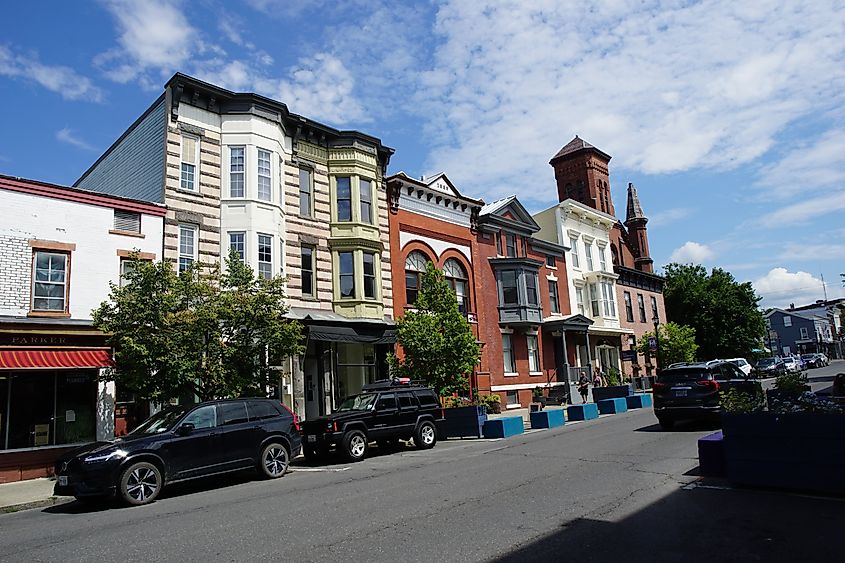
[[606, 490]]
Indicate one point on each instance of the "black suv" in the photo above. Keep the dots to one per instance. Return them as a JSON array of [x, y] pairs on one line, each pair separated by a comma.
[[181, 443], [384, 412], [691, 391]]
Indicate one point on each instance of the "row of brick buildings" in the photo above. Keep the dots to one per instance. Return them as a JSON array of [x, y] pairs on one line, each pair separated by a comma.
[[203, 170]]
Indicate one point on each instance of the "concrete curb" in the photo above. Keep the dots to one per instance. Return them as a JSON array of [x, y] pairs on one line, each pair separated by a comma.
[[51, 501]]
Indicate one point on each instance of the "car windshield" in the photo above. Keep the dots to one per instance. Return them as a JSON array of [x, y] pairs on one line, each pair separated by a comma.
[[766, 362], [680, 375], [808, 356], [362, 402], [161, 421]]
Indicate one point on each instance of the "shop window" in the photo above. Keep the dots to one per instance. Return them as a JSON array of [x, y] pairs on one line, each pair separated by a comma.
[[456, 277], [369, 275], [50, 281], [356, 366], [414, 268], [344, 198], [347, 275]]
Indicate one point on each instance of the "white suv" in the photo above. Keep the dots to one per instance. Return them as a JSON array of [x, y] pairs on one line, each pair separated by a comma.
[[741, 363]]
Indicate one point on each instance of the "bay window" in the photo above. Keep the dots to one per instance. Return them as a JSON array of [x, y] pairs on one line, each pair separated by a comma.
[[265, 256], [369, 275], [344, 198], [347, 275], [236, 171], [265, 191]]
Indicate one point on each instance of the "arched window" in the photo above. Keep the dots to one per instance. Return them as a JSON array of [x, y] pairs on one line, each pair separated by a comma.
[[456, 277], [414, 268]]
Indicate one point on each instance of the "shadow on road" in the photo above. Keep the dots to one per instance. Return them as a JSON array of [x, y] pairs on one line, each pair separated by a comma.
[[701, 525], [682, 426]]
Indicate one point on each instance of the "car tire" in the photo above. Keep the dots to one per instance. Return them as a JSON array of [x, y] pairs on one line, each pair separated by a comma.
[[666, 423], [425, 436], [140, 483], [355, 445], [274, 460]]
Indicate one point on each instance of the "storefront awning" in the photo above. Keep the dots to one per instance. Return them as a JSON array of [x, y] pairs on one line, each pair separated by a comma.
[[60, 359], [350, 334]]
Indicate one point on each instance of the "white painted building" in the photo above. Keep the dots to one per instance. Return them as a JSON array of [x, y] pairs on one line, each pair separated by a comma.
[[590, 275], [60, 248]]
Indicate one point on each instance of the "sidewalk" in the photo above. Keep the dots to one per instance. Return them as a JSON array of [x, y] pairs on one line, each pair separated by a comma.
[[32, 493]]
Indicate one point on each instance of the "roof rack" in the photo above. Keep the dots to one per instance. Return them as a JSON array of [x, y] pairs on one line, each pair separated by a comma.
[[392, 383]]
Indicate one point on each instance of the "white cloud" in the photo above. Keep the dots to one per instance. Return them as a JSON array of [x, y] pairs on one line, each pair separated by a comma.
[[66, 136], [668, 216], [693, 252], [57, 78], [808, 168], [661, 87], [780, 287], [804, 212]]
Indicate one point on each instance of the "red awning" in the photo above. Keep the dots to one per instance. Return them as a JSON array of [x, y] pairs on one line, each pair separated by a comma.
[[23, 359]]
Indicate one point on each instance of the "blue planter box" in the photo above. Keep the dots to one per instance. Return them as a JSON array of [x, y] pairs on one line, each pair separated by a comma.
[[548, 418], [464, 422], [585, 411], [799, 451], [616, 391], [638, 401], [711, 455], [612, 406], [504, 427]]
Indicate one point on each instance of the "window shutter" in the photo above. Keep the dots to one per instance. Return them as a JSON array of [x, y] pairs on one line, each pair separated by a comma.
[[127, 221]]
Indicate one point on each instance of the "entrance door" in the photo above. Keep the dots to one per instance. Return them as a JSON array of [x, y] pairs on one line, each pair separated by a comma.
[[608, 358], [312, 387]]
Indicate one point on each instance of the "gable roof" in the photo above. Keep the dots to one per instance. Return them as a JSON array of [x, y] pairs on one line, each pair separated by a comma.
[[795, 314], [497, 213]]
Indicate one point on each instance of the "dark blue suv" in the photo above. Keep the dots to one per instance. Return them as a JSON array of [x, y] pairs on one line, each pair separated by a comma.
[[182, 443]]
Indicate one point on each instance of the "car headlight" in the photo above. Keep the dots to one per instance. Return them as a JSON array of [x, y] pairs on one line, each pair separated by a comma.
[[105, 456]]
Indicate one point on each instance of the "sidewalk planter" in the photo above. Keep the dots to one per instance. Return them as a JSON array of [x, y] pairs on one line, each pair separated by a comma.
[[548, 418], [639, 401], [612, 406], [586, 411], [464, 422], [711, 455], [504, 427], [801, 451], [616, 391]]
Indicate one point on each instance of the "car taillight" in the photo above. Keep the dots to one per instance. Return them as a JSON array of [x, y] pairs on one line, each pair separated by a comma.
[[295, 418], [713, 385], [658, 386], [331, 427]]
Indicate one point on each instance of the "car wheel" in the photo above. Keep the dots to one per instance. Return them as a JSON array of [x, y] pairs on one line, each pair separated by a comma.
[[140, 483], [666, 423], [425, 436], [355, 445], [274, 460]]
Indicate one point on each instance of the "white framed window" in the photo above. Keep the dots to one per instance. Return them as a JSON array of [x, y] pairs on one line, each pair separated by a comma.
[[344, 198], [579, 299], [456, 277], [787, 320], [306, 187], [588, 253], [804, 333], [608, 300], [190, 162], [237, 163], [50, 281], [265, 191], [127, 266], [602, 258], [594, 300], [533, 353], [507, 354], [573, 243], [513, 397], [366, 189], [369, 275], [237, 242], [127, 221], [187, 246], [347, 275], [265, 256]]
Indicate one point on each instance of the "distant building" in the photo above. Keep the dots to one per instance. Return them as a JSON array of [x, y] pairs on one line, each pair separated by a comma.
[[832, 310], [60, 248], [792, 332]]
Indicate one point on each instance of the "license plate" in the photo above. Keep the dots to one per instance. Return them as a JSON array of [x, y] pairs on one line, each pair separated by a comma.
[[63, 480], [312, 438], [681, 392]]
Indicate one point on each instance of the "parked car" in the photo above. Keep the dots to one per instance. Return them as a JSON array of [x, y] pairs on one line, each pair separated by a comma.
[[692, 391], [181, 443], [770, 367], [793, 365], [815, 360], [384, 412], [742, 364]]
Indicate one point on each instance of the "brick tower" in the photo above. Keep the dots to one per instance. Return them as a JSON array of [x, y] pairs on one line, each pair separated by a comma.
[[635, 223], [581, 172]]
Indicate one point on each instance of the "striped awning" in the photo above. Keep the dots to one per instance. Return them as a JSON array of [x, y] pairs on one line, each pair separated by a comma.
[[58, 359]]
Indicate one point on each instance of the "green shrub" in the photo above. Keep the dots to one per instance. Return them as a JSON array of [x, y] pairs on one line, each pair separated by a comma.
[[791, 383], [734, 400]]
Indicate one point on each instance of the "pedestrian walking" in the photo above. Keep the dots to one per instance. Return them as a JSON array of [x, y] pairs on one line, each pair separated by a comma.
[[598, 380], [583, 387]]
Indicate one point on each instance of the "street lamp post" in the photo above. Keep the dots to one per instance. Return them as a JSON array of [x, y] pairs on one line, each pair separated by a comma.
[[656, 320]]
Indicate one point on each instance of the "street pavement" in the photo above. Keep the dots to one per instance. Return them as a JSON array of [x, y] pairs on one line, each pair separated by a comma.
[[604, 490]]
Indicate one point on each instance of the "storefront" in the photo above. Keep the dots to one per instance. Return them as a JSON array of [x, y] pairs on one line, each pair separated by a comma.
[[50, 396]]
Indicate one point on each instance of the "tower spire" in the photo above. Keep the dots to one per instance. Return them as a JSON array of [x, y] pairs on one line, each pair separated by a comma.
[[635, 210]]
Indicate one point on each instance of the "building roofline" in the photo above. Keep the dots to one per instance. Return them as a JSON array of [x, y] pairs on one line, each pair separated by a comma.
[[55, 191], [403, 177], [636, 272]]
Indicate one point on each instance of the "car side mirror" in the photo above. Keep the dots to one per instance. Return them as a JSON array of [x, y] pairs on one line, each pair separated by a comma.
[[185, 428]]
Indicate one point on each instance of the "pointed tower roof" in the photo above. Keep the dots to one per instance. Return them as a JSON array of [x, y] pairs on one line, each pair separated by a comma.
[[575, 145], [635, 210]]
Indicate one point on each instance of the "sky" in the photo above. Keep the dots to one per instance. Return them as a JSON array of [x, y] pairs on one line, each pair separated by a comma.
[[727, 116]]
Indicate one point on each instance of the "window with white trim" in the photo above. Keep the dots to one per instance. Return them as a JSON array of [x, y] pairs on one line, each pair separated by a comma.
[[594, 300], [602, 258], [190, 160], [50, 281], [579, 299], [573, 252], [344, 198], [608, 299], [787, 320], [507, 354], [512, 397], [347, 275], [456, 277], [187, 246], [804, 333], [588, 253], [265, 190], [369, 275], [265, 256], [237, 242], [533, 353], [236, 171]]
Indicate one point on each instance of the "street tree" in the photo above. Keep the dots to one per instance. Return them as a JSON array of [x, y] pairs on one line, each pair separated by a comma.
[[436, 339], [204, 332], [723, 312], [677, 343]]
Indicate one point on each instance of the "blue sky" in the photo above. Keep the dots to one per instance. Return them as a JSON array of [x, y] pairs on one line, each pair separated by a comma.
[[727, 116]]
